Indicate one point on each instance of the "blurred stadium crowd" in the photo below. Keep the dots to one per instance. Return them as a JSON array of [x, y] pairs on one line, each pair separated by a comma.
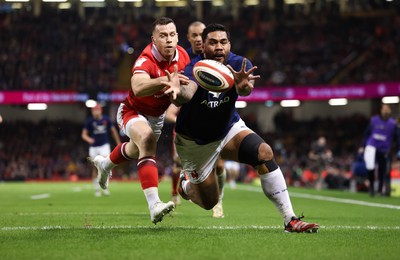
[[59, 50], [85, 54], [53, 150]]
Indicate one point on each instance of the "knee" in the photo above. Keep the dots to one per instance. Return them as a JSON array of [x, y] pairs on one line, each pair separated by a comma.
[[267, 163], [265, 152], [254, 150], [145, 139], [220, 167]]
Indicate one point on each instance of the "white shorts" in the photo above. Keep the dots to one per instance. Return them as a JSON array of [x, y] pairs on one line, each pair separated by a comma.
[[197, 160], [232, 166], [103, 150], [369, 157], [156, 123]]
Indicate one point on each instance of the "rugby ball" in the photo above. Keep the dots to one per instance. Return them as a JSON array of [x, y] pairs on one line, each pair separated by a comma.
[[213, 75]]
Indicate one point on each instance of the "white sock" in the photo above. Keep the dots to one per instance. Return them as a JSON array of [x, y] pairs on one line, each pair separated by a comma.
[[221, 183], [96, 184], [107, 164], [184, 185], [151, 195], [274, 187]]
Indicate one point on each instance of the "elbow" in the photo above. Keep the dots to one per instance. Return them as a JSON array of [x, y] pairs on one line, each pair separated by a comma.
[[137, 88], [136, 91]]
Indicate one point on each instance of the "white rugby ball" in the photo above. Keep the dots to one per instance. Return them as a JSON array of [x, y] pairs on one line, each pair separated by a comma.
[[213, 75]]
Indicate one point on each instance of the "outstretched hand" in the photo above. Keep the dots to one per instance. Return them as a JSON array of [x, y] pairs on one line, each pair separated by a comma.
[[173, 84], [244, 79]]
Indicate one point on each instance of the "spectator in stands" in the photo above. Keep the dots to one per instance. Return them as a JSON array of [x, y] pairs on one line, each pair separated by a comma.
[[356, 50], [320, 156]]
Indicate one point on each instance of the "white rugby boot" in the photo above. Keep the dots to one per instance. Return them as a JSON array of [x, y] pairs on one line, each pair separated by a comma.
[[159, 210], [103, 176], [218, 212]]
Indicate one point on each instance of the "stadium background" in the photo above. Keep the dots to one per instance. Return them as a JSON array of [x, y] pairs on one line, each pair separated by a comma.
[[89, 49]]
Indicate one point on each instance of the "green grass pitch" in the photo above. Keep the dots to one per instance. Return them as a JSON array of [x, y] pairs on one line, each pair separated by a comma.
[[66, 221]]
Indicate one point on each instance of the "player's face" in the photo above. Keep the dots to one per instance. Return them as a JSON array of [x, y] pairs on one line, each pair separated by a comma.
[[385, 112], [194, 37], [165, 38], [321, 141], [96, 112], [217, 46]]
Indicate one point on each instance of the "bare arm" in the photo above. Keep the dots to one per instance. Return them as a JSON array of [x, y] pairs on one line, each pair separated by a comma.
[[85, 136], [186, 94], [142, 85], [171, 114], [179, 93]]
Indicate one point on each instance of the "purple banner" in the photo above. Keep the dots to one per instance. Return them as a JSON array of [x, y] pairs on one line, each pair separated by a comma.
[[25, 97], [259, 94], [353, 91]]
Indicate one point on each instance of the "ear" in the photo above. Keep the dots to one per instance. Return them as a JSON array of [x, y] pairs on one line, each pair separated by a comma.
[[152, 39]]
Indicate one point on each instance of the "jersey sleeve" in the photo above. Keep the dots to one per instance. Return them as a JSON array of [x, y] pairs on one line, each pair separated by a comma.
[[86, 125], [189, 68], [142, 65], [236, 62]]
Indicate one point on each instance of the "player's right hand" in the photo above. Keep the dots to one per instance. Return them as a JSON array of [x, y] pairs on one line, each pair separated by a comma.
[[173, 83]]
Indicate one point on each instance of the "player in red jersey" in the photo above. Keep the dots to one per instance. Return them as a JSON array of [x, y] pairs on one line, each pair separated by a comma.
[[154, 84]]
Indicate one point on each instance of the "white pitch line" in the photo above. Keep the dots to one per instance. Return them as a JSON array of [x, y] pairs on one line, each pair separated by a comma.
[[71, 213], [40, 196], [332, 199], [74, 213], [191, 228]]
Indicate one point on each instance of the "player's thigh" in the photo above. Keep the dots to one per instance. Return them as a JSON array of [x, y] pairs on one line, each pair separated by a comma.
[[142, 134], [231, 149], [207, 191]]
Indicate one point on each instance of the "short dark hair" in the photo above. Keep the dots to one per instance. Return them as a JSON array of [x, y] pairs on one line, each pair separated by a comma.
[[213, 28], [161, 21]]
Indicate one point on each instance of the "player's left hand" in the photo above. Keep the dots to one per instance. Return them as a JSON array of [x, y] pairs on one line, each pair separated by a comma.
[[244, 79], [184, 80]]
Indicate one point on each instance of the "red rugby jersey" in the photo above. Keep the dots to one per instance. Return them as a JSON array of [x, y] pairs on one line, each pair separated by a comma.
[[151, 62]]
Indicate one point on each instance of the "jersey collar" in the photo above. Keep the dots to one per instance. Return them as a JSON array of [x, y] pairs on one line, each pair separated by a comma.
[[159, 57]]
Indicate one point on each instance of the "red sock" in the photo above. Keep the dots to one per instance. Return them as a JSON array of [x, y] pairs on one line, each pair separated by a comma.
[[147, 171], [175, 181], [118, 155]]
